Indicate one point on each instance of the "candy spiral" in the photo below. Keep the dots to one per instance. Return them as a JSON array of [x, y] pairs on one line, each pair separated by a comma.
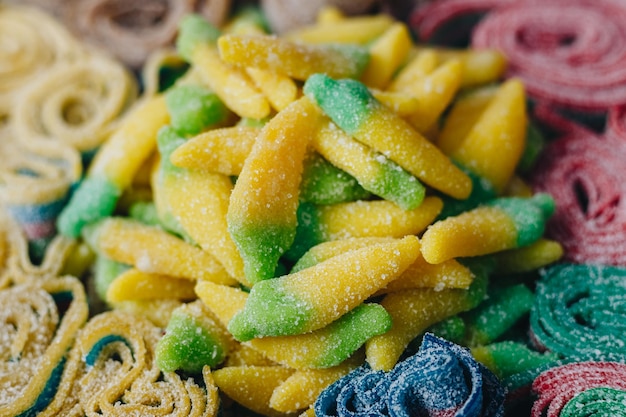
[[77, 103], [569, 53], [35, 181], [584, 173], [16, 265], [578, 312], [441, 379], [37, 333], [33, 42], [114, 374], [581, 389], [132, 30]]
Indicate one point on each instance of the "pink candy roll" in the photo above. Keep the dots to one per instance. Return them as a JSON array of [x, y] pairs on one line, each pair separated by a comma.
[[570, 53], [584, 171], [558, 386]]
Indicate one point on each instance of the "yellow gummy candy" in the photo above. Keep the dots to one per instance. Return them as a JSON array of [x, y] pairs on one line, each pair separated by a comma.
[[413, 311], [151, 249], [339, 284], [481, 231], [435, 93], [137, 285], [376, 218], [262, 210], [529, 258], [387, 53], [298, 60], [415, 71], [252, 386], [420, 274], [302, 388], [494, 144], [479, 66], [356, 29], [231, 84], [279, 89], [203, 216], [132, 143], [222, 300], [222, 151]]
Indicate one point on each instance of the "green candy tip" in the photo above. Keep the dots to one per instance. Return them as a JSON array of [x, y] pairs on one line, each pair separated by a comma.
[[240, 328], [194, 29]]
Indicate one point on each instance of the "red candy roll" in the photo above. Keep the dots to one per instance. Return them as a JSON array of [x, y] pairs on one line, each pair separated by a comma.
[[571, 53], [427, 19], [584, 171], [558, 386]]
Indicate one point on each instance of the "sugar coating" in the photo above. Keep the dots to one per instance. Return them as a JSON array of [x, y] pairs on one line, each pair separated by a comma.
[[314, 297], [504, 307], [569, 389], [295, 59], [95, 199], [194, 108], [574, 313], [192, 340], [353, 108], [499, 224], [440, 379], [192, 30], [262, 211]]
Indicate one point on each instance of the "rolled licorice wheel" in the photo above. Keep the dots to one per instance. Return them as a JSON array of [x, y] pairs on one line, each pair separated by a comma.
[[38, 323], [580, 389], [584, 171], [569, 53], [440, 379], [131, 31], [114, 369], [578, 312]]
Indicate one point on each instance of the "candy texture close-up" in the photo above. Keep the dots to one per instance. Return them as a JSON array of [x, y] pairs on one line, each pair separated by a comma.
[[245, 208]]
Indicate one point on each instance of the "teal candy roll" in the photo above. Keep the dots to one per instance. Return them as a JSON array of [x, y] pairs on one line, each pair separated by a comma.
[[579, 312]]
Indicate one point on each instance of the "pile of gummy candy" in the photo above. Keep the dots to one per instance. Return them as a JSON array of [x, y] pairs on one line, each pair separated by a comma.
[[357, 215]]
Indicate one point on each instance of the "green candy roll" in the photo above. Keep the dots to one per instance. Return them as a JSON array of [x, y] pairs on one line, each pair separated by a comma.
[[598, 401], [578, 312]]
